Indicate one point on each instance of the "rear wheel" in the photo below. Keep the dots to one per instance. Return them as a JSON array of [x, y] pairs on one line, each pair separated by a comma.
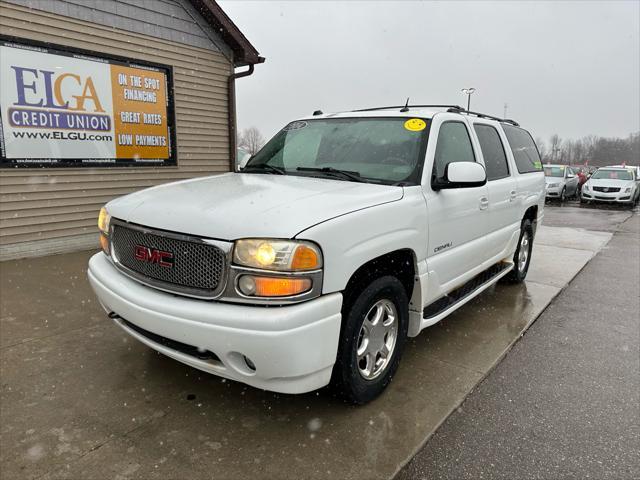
[[522, 257], [373, 334]]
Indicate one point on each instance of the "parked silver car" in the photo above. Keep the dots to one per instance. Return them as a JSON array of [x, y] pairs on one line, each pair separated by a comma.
[[561, 182]]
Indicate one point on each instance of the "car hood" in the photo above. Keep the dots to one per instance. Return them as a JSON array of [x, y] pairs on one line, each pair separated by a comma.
[[549, 180], [610, 182], [233, 205]]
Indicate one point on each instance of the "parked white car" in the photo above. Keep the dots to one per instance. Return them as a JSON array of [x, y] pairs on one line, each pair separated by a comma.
[[561, 181], [612, 185], [343, 236]]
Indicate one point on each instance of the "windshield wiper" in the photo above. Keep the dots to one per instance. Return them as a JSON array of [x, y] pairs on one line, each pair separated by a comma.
[[265, 167], [349, 175]]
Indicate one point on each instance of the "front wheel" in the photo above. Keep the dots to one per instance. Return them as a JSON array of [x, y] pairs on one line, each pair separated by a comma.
[[522, 257], [373, 334], [563, 195]]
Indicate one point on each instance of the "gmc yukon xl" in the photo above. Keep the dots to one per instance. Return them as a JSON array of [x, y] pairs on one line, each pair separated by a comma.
[[344, 235]]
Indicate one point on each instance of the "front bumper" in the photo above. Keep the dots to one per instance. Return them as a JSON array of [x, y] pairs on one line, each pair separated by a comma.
[[615, 197], [553, 192], [292, 348]]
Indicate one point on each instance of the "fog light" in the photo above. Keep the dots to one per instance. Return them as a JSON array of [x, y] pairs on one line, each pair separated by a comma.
[[247, 285]]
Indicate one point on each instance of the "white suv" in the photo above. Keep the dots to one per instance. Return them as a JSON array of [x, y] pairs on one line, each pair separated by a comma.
[[343, 236]]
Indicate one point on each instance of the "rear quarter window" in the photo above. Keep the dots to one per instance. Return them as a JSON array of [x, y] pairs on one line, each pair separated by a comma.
[[523, 148]]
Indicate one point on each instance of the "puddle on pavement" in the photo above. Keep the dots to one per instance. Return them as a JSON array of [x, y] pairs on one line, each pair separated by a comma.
[[147, 411]]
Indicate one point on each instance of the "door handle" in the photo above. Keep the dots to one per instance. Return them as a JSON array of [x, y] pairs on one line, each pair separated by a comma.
[[512, 195], [484, 203]]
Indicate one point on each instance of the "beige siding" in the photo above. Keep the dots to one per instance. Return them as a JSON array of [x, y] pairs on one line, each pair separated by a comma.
[[51, 204]]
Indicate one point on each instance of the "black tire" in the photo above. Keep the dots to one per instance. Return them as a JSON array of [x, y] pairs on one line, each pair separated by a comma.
[[346, 378], [563, 195], [519, 273]]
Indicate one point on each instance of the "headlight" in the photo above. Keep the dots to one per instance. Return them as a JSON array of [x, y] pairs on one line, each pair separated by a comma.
[[280, 255], [586, 186], [627, 190], [103, 225], [552, 185]]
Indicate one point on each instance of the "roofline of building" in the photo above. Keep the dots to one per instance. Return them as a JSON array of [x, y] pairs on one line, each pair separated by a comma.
[[244, 53]]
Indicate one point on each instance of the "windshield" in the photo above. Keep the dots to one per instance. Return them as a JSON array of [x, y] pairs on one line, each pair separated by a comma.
[[613, 174], [379, 150], [554, 171]]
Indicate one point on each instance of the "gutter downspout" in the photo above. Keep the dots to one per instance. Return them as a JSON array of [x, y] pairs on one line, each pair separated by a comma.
[[232, 115]]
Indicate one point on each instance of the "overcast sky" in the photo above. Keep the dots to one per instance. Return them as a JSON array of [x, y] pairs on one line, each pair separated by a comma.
[[569, 68]]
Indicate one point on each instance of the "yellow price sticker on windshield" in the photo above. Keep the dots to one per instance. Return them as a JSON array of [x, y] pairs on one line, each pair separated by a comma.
[[415, 124]]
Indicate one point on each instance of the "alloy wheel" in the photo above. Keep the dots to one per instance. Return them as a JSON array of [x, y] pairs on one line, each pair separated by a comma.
[[377, 339], [523, 252]]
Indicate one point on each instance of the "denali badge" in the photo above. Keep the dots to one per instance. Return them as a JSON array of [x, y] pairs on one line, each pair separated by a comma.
[[442, 247], [153, 255]]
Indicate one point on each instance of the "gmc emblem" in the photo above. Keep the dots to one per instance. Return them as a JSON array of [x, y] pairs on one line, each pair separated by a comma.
[[153, 255]]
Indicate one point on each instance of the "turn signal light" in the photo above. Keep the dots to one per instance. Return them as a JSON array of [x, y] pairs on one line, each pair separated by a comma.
[[104, 243], [305, 258], [273, 286]]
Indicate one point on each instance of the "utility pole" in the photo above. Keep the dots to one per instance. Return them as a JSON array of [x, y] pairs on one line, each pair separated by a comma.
[[468, 92]]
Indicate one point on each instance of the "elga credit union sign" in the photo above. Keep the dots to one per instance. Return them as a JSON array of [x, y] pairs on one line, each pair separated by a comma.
[[67, 108]]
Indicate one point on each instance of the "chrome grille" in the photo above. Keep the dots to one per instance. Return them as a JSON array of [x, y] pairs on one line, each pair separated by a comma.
[[197, 267], [606, 189]]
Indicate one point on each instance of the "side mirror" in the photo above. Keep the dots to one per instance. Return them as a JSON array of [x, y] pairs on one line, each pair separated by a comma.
[[571, 175], [461, 175]]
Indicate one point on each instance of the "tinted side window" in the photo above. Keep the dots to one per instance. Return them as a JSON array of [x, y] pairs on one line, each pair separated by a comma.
[[453, 145], [524, 149], [495, 160]]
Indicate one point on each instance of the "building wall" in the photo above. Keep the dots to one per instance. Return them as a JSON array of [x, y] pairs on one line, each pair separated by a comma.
[[173, 20], [53, 210]]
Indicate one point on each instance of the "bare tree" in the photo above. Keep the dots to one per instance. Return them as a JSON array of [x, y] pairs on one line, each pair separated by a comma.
[[579, 152], [554, 145], [542, 148], [251, 140], [591, 150], [567, 152]]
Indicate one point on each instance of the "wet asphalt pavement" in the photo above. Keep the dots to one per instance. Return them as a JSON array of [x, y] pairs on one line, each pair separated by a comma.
[[565, 401], [79, 399]]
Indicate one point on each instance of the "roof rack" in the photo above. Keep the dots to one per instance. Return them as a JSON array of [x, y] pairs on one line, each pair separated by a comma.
[[409, 106], [456, 109]]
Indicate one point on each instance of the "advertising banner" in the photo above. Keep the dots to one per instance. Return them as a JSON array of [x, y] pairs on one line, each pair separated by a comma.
[[69, 109]]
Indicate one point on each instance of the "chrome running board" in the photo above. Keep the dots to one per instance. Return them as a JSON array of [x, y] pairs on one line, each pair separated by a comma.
[[442, 307]]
